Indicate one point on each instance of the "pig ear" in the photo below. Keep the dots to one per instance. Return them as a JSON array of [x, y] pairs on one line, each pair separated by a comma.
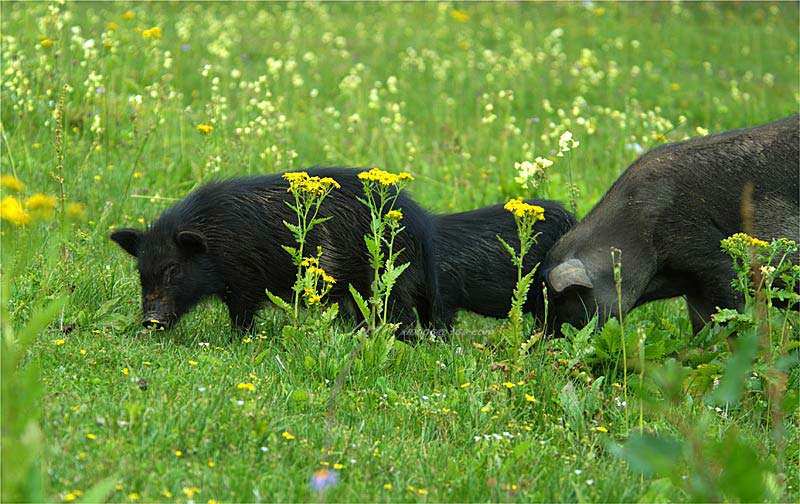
[[567, 274], [191, 242], [128, 239]]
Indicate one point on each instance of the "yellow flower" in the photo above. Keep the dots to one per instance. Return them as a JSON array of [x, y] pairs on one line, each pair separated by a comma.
[[12, 211], [302, 182], [128, 15], [46, 42], [91, 437], [521, 209], [465, 385], [211, 463], [384, 178], [246, 386], [309, 261], [327, 278], [41, 205], [59, 342], [189, 492], [205, 128], [112, 26], [701, 131], [312, 297], [600, 428], [745, 240], [178, 453], [76, 211], [11, 183], [133, 496], [530, 398], [152, 33], [459, 15], [192, 363], [125, 371], [387, 486], [288, 436], [395, 215], [70, 496], [338, 466], [166, 493], [329, 182], [508, 385]]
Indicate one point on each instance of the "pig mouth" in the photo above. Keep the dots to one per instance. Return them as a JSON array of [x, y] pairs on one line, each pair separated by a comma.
[[158, 321]]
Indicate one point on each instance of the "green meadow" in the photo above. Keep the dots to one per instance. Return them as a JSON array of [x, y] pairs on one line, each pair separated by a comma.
[[111, 112]]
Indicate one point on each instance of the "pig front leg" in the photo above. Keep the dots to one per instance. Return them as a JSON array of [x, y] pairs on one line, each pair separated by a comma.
[[712, 291], [242, 313]]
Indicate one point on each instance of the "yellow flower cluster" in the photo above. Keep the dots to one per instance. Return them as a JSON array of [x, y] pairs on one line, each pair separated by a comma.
[[384, 178], [190, 492], [394, 215], [316, 270], [152, 33], [11, 183], [312, 297], [309, 261], [744, 239], [459, 15], [521, 209], [46, 42], [304, 183], [205, 128], [11, 210], [41, 204], [246, 386], [37, 206]]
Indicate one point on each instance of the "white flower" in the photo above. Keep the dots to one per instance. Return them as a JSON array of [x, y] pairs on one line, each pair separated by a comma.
[[635, 147], [566, 143]]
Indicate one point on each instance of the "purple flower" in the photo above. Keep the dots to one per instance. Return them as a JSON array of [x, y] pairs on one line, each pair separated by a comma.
[[185, 47], [323, 479]]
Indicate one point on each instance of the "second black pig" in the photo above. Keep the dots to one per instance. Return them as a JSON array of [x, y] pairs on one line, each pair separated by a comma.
[[475, 272]]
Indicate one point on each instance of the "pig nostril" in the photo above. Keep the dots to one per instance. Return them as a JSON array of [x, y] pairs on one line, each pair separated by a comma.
[[152, 323]]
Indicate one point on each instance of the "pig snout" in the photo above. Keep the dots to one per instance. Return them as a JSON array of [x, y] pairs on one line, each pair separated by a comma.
[[157, 313]]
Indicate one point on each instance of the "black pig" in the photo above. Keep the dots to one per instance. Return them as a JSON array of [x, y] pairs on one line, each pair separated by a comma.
[[475, 271], [225, 238], [668, 213]]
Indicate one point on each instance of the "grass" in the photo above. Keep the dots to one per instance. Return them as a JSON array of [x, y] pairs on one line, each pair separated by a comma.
[[288, 86]]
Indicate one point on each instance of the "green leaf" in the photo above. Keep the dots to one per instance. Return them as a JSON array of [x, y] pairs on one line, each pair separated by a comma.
[[360, 303], [300, 396], [294, 228], [280, 303], [37, 324], [392, 274], [736, 369], [100, 491], [570, 403], [292, 252], [652, 455], [742, 476], [508, 248]]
